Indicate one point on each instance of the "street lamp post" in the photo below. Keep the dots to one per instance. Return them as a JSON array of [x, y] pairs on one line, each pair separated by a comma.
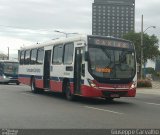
[[141, 48], [8, 53], [66, 34], [142, 32]]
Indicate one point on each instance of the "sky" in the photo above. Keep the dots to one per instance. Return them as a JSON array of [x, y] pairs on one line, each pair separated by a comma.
[[26, 22]]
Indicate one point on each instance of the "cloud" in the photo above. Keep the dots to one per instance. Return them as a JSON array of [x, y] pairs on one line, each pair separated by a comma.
[[150, 10], [35, 20], [38, 19], [13, 43], [53, 14]]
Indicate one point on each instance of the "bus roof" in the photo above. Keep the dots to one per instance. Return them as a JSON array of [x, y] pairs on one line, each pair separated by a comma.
[[63, 40], [8, 61], [57, 41]]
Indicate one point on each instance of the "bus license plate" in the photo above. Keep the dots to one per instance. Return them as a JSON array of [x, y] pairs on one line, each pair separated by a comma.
[[114, 95]]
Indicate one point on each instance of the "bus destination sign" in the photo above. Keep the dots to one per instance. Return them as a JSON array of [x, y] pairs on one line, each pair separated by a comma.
[[110, 43]]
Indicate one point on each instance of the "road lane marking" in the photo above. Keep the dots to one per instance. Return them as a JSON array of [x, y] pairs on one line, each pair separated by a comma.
[[152, 103], [99, 109], [27, 94]]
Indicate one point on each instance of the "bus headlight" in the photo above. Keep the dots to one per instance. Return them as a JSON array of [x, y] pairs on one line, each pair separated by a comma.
[[133, 86], [91, 83], [4, 76]]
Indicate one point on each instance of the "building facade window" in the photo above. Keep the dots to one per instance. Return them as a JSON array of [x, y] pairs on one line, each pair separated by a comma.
[[113, 15]]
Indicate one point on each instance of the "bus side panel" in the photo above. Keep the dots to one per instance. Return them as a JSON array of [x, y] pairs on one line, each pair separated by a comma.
[[72, 87], [39, 83], [56, 86], [25, 80], [88, 91]]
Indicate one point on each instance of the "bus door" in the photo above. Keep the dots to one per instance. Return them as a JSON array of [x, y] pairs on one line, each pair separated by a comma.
[[78, 70], [46, 77]]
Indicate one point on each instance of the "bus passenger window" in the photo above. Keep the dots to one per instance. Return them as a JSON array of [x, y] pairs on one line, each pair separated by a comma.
[[57, 54], [40, 56], [68, 53], [27, 57], [22, 57], [33, 56]]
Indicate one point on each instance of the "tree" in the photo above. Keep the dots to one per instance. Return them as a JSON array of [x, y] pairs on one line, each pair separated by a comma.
[[150, 70], [150, 45]]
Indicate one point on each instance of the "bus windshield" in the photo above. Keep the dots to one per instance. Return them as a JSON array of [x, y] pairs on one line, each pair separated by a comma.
[[109, 62], [10, 68]]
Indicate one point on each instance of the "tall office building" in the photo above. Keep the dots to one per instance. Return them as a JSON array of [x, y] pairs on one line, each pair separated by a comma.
[[113, 17]]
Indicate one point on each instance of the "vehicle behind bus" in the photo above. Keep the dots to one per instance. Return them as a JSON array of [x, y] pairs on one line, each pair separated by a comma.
[[88, 66], [9, 72]]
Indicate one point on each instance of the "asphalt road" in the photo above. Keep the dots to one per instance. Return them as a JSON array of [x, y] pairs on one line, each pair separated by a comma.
[[19, 108]]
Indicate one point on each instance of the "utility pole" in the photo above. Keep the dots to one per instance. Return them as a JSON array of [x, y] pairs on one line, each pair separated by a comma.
[[8, 53], [142, 48], [141, 71]]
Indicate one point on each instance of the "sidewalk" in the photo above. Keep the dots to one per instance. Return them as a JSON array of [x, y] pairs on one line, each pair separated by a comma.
[[148, 91], [155, 90], [156, 85]]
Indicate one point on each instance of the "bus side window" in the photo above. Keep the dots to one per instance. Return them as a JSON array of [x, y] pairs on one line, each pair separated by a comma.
[[22, 57], [57, 55], [33, 56], [40, 56], [27, 57], [68, 53]]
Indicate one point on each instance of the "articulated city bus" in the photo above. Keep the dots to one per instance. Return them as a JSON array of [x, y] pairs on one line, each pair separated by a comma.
[[9, 71], [88, 66]]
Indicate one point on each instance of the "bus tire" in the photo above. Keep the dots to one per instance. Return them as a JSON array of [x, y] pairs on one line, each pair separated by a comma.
[[68, 93], [33, 86]]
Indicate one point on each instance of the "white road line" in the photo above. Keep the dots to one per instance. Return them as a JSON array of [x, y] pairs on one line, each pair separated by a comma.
[[27, 94], [148, 93], [152, 103], [99, 109]]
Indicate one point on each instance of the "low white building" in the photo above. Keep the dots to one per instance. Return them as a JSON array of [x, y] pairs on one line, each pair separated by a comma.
[[3, 56]]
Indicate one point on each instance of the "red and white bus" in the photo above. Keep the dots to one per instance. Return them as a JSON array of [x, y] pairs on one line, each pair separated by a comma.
[[86, 65]]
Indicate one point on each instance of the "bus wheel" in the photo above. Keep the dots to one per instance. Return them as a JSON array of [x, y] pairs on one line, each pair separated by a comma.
[[33, 86], [68, 93]]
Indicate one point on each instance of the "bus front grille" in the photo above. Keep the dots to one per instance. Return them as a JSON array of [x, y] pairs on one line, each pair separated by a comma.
[[110, 93]]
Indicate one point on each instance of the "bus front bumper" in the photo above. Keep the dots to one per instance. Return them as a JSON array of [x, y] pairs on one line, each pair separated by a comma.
[[87, 91]]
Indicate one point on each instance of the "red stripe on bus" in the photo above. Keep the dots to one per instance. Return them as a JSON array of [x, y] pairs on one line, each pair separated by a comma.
[[56, 86], [131, 93], [24, 80], [39, 84], [88, 91]]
